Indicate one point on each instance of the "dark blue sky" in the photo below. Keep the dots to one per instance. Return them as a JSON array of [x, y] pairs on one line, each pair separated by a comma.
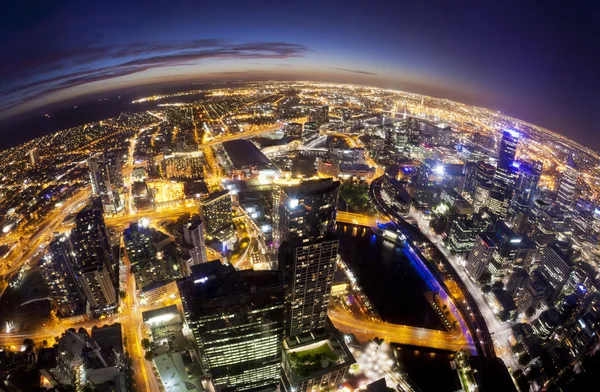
[[535, 60]]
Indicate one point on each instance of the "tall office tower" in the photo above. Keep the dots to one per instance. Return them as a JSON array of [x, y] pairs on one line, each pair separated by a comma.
[[555, 267], [237, 318], [504, 178], [470, 171], [483, 184], [34, 156], [97, 268], [59, 270], [480, 256], [528, 176], [310, 132], [512, 250], [215, 211], [106, 177], [142, 254], [516, 281], [308, 251], [568, 186], [497, 204], [530, 296], [425, 189], [193, 236]]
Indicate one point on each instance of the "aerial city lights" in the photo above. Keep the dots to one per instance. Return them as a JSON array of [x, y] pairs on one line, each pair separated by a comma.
[[220, 241]]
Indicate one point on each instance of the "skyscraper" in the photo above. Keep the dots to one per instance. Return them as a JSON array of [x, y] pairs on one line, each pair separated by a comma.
[[59, 270], [480, 256], [504, 178], [528, 176], [215, 211], [97, 267], [555, 267], [193, 236], [237, 319], [143, 256], [567, 186], [483, 184], [34, 156], [107, 180], [308, 251]]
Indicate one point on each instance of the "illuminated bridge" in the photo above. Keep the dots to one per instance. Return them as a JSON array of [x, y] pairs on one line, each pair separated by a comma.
[[401, 334]]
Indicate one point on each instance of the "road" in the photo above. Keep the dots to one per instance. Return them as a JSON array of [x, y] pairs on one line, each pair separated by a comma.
[[500, 330], [170, 213], [401, 334], [358, 219], [34, 245]]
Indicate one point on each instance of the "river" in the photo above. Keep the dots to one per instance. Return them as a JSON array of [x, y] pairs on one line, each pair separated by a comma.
[[395, 287]]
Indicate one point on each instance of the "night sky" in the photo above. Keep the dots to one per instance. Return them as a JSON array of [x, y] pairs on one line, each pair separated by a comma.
[[538, 61]]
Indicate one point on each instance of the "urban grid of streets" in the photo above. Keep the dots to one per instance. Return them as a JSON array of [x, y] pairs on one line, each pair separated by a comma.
[[465, 118]]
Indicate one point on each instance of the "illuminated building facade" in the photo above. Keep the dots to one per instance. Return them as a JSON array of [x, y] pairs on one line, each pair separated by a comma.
[[320, 115], [504, 178], [555, 267], [308, 251], [193, 236], [143, 256], [293, 130], [215, 211], [58, 268], [107, 180], [97, 267], [528, 177], [237, 318], [567, 186], [310, 132], [480, 256]]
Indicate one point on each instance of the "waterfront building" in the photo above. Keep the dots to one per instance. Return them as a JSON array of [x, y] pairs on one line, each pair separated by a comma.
[[308, 251]]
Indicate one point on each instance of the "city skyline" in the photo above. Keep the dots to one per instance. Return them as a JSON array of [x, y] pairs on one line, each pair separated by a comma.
[[516, 59]]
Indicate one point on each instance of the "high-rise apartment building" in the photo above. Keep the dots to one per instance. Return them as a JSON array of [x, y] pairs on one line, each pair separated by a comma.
[[237, 318], [107, 180], [308, 251], [215, 211], [97, 266], [59, 270], [193, 236], [148, 269]]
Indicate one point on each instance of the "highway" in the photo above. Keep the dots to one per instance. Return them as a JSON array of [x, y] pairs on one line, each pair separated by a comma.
[[401, 334], [35, 245]]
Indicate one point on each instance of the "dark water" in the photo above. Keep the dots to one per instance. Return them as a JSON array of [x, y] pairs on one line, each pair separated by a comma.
[[395, 287]]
